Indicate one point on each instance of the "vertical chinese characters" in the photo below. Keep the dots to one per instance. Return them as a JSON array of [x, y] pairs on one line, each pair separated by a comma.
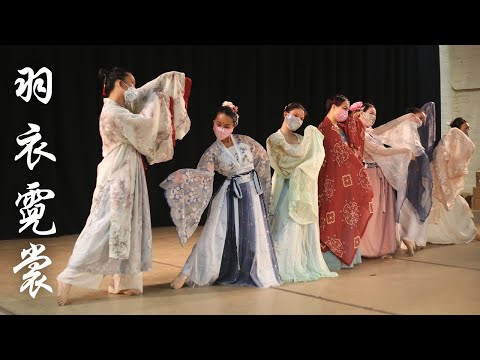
[[29, 142], [32, 209], [34, 84], [32, 281]]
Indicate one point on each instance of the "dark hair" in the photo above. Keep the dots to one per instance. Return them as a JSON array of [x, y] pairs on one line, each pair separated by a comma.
[[293, 106], [414, 110], [367, 106], [458, 122], [336, 100], [227, 110], [109, 76]]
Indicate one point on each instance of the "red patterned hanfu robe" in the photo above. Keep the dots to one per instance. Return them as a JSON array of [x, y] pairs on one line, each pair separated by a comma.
[[344, 191], [354, 129]]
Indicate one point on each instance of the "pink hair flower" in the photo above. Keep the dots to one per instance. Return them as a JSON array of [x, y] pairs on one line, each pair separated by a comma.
[[356, 106]]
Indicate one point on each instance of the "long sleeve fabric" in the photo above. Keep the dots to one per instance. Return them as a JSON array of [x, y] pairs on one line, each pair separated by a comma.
[[300, 164], [354, 130], [261, 165], [124, 135], [172, 90], [394, 162], [450, 220], [188, 192], [450, 166], [149, 132], [427, 131], [379, 130], [401, 133]]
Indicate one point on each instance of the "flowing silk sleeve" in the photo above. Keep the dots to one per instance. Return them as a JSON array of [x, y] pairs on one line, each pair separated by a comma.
[[261, 164], [283, 157], [354, 129], [400, 133], [450, 166], [393, 123], [394, 162], [301, 164], [303, 195], [276, 151], [149, 132], [188, 192], [427, 131], [173, 88]]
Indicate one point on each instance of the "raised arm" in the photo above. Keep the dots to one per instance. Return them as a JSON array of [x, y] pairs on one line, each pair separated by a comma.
[[393, 123]]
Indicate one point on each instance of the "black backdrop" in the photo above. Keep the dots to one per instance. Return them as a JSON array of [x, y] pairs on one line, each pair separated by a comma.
[[260, 79]]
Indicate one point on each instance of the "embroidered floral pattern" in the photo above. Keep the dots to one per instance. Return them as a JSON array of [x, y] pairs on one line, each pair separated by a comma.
[[329, 189], [363, 178], [351, 213], [347, 180], [335, 246], [330, 216], [340, 153], [356, 242]]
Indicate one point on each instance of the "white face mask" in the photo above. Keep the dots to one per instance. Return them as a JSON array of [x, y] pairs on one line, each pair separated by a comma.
[[130, 94], [293, 122], [369, 119]]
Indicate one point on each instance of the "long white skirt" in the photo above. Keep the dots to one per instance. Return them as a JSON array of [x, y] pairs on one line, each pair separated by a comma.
[[410, 227], [90, 259], [455, 226]]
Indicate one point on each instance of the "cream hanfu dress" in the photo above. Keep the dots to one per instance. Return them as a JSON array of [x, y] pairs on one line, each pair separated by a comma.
[[294, 207], [450, 220], [117, 237]]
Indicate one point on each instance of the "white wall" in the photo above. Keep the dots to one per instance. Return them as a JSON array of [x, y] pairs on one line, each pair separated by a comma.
[[460, 95]]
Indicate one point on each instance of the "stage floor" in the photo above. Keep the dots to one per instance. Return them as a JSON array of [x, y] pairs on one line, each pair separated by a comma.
[[440, 279]]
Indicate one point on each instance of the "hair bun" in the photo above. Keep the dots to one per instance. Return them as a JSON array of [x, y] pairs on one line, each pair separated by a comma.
[[230, 105]]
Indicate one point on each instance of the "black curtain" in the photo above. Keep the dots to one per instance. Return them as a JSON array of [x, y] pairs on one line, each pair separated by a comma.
[[260, 79]]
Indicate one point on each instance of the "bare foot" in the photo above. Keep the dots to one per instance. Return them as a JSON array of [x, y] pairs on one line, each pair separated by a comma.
[[410, 247], [63, 290], [179, 281], [477, 237], [387, 257], [129, 292]]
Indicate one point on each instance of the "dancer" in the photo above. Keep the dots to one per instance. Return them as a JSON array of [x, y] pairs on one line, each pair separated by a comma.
[[379, 238], [296, 160], [450, 221], [415, 200], [117, 238], [344, 190], [235, 245]]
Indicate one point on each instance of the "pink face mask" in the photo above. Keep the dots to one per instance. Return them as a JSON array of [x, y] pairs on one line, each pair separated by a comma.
[[342, 115], [220, 132]]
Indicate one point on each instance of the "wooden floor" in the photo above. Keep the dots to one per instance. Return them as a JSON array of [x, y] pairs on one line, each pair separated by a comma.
[[440, 279]]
